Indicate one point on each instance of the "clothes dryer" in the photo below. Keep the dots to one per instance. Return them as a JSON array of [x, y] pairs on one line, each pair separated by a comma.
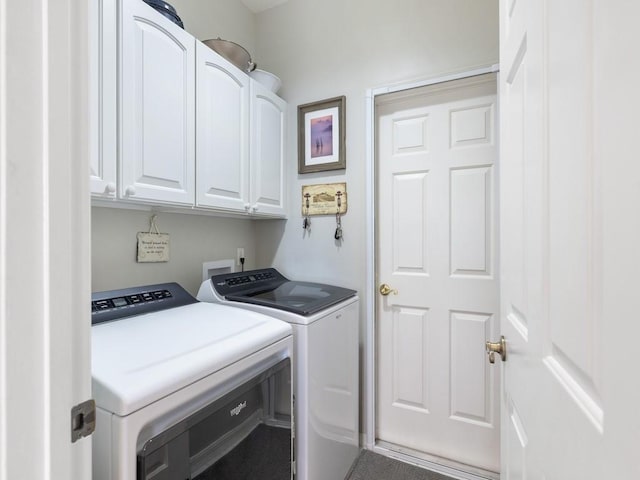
[[181, 386]]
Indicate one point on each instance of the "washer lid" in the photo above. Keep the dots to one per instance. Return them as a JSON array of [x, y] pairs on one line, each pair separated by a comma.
[[141, 359]]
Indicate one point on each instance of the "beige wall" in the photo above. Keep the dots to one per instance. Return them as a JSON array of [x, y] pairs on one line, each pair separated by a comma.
[[320, 49], [194, 239], [336, 47], [227, 19]]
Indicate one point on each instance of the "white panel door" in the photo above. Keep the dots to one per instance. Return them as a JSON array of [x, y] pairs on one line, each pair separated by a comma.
[[437, 228], [157, 107], [222, 136], [268, 129], [45, 238], [569, 178]]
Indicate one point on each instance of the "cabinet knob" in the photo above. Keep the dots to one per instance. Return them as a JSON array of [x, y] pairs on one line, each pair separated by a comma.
[[247, 206], [254, 208], [110, 188], [130, 191]]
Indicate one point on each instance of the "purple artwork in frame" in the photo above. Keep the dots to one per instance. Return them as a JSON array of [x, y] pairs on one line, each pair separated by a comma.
[[321, 136]]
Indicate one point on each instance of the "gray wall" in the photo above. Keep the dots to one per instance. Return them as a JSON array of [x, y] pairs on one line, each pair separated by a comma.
[[194, 239]]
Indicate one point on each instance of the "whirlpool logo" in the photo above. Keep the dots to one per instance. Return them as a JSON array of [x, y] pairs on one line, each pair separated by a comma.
[[236, 410]]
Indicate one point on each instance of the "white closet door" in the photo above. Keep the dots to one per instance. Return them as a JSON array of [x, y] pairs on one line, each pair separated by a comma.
[[437, 229]]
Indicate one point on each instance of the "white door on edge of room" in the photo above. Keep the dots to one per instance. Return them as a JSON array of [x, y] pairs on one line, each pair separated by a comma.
[[569, 229], [45, 237], [436, 251]]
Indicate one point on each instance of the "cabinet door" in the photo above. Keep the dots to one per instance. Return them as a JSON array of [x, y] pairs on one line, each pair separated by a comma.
[[268, 127], [157, 108], [103, 83], [222, 132]]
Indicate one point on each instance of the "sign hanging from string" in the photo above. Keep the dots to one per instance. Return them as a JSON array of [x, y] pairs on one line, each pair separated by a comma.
[[153, 246]]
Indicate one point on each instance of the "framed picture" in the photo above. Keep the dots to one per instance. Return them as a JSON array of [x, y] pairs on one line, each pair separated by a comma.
[[321, 127]]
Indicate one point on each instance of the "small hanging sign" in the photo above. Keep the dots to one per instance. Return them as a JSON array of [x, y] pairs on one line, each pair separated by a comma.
[[153, 246]]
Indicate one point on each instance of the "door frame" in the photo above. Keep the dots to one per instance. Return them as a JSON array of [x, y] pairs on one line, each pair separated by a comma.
[[369, 300]]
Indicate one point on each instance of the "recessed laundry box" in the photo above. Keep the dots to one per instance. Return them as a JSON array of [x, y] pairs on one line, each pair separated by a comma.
[[184, 389]]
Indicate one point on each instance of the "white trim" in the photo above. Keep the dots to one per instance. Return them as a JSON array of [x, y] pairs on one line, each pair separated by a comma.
[[46, 242], [369, 297], [3, 241], [452, 469], [373, 92]]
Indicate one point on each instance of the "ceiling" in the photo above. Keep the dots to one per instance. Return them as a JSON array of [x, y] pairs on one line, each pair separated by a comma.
[[257, 6]]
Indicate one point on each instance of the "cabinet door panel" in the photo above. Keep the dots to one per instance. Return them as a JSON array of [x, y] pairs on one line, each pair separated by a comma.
[[222, 140], [268, 116], [158, 101], [103, 91]]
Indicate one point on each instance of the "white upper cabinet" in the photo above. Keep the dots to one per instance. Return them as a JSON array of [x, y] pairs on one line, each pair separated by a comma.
[[157, 87], [222, 132], [176, 124], [239, 140], [103, 92], [268, 128]]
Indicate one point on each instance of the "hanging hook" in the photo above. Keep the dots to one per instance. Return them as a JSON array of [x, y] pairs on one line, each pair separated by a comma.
[[338, 234], [306, 223]]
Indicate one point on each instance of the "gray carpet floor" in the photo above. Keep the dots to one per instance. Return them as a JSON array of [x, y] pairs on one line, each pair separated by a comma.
[[372, 466]]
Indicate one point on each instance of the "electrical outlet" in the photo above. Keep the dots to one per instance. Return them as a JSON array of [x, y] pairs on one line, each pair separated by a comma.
[[239, 255]]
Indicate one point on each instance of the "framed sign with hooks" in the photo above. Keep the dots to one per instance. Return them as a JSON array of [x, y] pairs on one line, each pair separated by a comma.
[[324, 199]]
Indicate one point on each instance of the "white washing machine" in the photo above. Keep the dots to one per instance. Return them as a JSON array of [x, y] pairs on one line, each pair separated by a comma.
[[185, 390], [325, 368]]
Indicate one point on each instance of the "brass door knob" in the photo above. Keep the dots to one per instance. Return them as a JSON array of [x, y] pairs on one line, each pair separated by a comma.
[[500, 348], [386, 290]]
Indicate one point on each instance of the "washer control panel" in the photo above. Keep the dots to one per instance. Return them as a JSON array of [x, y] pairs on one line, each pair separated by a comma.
[[247, 282], [117, 304]]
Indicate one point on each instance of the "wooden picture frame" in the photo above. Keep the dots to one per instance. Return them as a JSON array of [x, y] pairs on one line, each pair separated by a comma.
[[321, 136]]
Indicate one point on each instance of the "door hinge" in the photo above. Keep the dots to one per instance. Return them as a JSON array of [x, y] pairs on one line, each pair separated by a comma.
[[83, 420]]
